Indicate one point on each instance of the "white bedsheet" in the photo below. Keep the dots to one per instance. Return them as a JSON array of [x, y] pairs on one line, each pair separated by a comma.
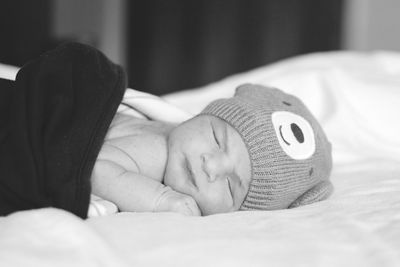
[[358, 226], [357, 99], [8, 72]]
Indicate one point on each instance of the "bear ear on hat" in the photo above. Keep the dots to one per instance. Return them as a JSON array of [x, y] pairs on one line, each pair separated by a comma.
[[319, 192], [244, 89], [256, 91]]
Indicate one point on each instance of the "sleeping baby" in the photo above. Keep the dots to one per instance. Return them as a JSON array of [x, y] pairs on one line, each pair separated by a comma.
[[259, 150]]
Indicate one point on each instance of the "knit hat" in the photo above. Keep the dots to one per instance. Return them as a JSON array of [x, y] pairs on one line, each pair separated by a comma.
[[289, 152]]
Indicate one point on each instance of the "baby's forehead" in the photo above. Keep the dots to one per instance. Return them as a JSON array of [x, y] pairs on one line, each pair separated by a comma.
[[218, 122], [223, 126]]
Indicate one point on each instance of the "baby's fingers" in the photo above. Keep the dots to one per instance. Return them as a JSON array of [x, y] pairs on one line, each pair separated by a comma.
[[186, 205], [176, 202], [193, 208]]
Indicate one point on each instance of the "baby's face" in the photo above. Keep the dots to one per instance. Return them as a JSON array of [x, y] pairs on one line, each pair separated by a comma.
[[208, 160]]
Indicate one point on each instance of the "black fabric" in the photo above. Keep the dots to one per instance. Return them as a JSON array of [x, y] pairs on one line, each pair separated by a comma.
[[53, 122]]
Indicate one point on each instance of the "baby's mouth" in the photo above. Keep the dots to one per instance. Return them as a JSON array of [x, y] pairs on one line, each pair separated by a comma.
[[189, 171]]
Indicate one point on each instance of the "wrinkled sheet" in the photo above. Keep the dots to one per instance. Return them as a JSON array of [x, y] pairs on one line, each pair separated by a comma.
[[358, 226], [356, 96], [52, 237]]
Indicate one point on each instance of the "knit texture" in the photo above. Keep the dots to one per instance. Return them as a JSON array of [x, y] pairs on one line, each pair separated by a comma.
[[277, 179]]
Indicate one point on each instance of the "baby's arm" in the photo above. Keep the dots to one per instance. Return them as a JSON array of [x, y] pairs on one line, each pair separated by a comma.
[[134, 192]]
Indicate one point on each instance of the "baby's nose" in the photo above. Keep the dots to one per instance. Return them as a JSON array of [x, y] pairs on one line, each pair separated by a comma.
[[215, 165]]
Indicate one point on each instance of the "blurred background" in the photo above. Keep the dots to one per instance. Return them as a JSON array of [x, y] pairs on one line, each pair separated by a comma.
[[167, 46]]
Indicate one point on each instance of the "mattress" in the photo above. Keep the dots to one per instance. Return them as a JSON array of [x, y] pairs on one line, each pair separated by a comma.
[[355, 96]]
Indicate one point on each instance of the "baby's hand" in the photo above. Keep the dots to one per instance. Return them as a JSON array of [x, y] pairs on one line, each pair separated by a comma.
[[174, 201]]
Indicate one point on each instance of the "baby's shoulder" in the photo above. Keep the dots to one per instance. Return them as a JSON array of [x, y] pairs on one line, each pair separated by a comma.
[[125, 126], [136, 144]]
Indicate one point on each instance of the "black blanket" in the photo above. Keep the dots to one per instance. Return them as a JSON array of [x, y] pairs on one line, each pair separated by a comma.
[[53, 121]]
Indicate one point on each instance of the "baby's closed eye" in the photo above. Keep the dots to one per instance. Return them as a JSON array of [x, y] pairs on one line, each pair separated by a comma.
[[235, 187]]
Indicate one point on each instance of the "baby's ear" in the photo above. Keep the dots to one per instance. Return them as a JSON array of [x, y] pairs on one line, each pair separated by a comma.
[[319, 192]]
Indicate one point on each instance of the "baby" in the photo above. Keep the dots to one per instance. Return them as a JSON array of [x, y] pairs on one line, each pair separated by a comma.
[[259, 150]]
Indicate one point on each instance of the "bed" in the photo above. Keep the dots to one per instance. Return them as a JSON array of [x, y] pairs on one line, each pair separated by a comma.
[[355, 96]]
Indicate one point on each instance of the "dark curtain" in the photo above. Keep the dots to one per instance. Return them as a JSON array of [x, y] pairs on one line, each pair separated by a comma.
[[24, 30], [179, 44]]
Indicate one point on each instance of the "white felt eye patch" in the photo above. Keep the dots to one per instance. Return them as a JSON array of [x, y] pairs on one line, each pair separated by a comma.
[[295, 135]]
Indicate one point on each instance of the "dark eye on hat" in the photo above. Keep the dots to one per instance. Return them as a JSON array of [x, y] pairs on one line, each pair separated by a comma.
[[297, 132], [286, 103]]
